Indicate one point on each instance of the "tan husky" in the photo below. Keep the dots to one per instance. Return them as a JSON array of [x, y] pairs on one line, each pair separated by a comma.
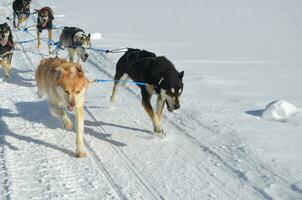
[[65, 85]]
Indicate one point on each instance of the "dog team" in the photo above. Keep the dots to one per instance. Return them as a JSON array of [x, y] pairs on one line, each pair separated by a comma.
[[64, 83]]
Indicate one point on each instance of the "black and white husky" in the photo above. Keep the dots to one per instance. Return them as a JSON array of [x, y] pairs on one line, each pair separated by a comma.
[[160, 76], [76, 42], [6, 49]]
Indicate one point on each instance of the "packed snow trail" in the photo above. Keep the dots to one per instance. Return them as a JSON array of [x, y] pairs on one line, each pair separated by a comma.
[[204, 155]]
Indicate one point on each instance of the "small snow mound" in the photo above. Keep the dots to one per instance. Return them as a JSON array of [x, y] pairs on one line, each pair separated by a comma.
[[96, 36], [279, 110]]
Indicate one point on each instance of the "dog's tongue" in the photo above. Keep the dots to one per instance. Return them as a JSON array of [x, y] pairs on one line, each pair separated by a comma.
[[70, 108]]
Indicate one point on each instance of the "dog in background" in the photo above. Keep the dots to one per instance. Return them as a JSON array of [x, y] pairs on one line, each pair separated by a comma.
[[6, 49], [44, 22], [76, 42], [21, 10], [65, 85], [160, 76]]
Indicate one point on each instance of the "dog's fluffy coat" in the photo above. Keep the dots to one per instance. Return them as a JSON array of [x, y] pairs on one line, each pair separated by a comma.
[[65, 85]]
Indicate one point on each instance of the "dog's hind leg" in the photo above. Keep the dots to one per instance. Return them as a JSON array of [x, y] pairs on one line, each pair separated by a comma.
[[61, 114], [146, 97], [79, 113], [119, 79]]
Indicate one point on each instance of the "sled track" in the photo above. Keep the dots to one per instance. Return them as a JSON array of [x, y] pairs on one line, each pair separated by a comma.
[[97, 161], [263, 171]]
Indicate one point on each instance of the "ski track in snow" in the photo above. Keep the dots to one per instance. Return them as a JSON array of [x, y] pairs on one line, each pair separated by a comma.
[[36, 155]]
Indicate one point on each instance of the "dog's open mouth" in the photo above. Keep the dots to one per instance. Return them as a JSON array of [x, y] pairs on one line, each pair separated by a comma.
[[3, 41], [70, 108], [170, 109]]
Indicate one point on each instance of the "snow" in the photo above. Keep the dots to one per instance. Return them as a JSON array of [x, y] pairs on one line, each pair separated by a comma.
[[96, 36], [279, 110], [237, 56]]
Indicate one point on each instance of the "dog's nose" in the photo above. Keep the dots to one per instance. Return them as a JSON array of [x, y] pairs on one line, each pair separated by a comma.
[[86, 55], [176, 106], [72, 104]]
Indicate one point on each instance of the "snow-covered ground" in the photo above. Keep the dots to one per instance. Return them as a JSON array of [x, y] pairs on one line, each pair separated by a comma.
[[238, 56]]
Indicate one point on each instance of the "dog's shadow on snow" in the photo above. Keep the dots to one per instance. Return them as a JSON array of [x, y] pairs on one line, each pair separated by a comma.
[[38, 112], [18, 79], [255, 113], [6, 132], [99, 123]]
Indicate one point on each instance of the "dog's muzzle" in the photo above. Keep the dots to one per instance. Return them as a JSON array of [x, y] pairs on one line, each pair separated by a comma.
[[85, 57], [172, 108]]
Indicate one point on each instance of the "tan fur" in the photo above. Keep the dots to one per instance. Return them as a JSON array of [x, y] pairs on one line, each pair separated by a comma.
[[7, 67], [65, 85]]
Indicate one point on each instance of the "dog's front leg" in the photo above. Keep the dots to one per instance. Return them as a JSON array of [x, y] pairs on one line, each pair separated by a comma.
[[79, 113], [39, 39], [148, 108], [7, 69], [71, 53], [49, 40], [159, 107], [61, 114], [14, 20]]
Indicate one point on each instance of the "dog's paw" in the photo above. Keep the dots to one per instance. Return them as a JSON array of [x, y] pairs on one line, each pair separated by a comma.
[[160, 132], [113, 99], [6, 77], [80, 154]]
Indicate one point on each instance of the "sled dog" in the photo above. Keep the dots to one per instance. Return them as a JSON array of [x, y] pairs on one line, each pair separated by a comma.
[[21, 10], [6, 49], [76, 42], [160, 76], [64, 84]]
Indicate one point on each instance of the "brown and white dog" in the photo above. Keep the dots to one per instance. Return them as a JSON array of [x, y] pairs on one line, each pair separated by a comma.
[[44, 22], [65, 85]]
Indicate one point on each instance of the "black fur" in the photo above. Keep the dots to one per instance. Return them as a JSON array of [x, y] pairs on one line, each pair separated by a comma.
[[160, 76], [145, 66], [20, 7], [9, 45], [48, 24]]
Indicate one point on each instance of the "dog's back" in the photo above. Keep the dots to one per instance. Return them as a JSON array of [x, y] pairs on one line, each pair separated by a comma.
[[130, 57], [45, 74], [66, 37]]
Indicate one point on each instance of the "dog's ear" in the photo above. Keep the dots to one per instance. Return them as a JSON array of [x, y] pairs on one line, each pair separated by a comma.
[[88, 36], [60, 72], [181, 75]]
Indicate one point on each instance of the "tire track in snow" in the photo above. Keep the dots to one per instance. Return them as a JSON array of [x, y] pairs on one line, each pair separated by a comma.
[[212, 153]]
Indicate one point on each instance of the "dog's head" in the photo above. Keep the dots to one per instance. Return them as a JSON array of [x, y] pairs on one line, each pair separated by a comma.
[[45, 15], [171, 87], [26, 4], [72, 84], [82, 42], [5, 34]]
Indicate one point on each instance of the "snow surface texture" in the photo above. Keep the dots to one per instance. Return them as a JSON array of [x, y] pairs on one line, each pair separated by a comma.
[[237, 55]]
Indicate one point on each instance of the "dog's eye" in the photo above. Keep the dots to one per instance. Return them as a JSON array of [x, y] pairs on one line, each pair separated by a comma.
[[78, 92], [67, 92]]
